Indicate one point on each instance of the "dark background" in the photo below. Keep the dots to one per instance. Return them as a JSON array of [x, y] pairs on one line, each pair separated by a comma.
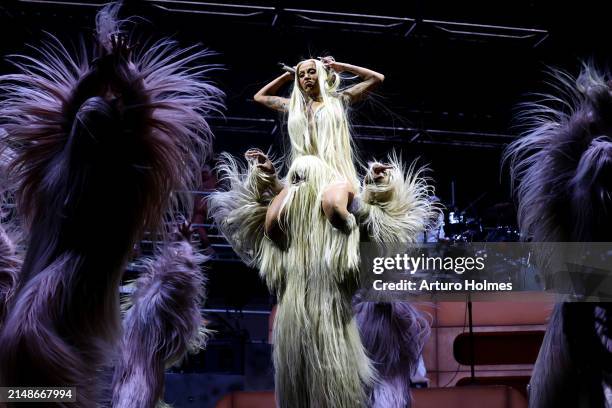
[[455, 74], [457, 92]]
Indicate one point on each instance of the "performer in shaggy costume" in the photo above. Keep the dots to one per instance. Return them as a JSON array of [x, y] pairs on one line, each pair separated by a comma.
[[100, 144], [162, 323], [562, 170], [303, 232], [394, 334]]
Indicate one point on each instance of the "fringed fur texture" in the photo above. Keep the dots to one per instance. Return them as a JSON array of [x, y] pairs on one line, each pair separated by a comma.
[[166, 98], [43, 341], [98, 150], [394, 335], [108, 26], [397, 208], [6, 157], [240, 211], [330, 137], [562, 166], [318, 356], [562, 177], [573, 366], [163, 323], [554, 381], [10, 263]]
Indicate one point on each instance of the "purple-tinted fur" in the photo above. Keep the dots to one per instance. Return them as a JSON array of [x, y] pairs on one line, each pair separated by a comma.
[[99, 147], [162, 325], [394, 335], [562, 172], [562, 166]]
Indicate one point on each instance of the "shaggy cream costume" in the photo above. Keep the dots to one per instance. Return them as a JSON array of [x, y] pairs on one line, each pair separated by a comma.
[[318, 356]]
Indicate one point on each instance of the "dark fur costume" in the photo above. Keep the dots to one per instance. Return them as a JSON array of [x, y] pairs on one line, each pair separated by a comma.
[[100, 143], [9, 268], [394, 335], [562, 169], [161, 326]]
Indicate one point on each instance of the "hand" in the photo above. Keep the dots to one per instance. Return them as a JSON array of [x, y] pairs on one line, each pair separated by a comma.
[[183, 231], [262, 161], [287, 68], [330, 63], [115, 60], [120, 46], [379, 172]]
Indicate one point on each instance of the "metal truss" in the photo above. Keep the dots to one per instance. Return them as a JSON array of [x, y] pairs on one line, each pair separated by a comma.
[[402, 26], [405, 26], [243, 12], [355, 22], [233, 125], [531, 36], [84, 3]]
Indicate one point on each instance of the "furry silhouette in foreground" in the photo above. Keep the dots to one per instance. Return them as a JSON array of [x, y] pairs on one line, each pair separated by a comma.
[[100, 143], [562, 172]]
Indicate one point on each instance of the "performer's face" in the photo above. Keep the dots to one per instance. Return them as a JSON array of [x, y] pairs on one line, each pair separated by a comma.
[[307, 77]]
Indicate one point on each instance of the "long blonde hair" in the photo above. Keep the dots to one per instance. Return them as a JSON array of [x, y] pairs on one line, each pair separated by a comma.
[[330, 138]]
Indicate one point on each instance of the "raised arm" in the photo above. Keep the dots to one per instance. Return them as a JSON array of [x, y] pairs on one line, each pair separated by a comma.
[[267, 95], [370, 79]]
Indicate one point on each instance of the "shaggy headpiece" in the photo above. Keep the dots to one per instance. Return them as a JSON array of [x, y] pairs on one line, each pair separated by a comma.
[[562, 167]]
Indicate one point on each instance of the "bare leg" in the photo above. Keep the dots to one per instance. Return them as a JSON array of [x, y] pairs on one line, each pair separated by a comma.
[[272, 225], [336, 199]]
